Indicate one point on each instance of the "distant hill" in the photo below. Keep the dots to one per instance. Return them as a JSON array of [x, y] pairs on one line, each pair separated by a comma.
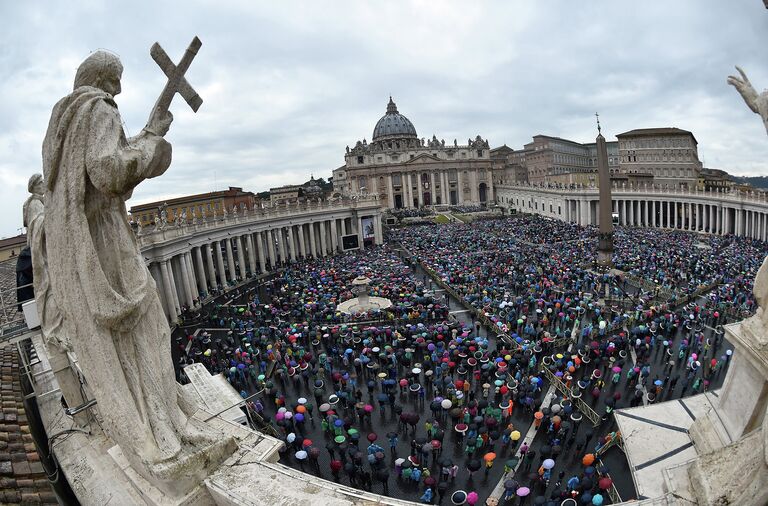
[[756, 181]]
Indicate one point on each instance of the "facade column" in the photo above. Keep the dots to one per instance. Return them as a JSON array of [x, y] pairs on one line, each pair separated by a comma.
[[444, 187], [230, 261], [202, 286], [459, 188], [312, 243], [406, 177], [420, 189], [390, 192], [432, 197], [473, 192], [358, 224], [241, 256], [260, 252], [378, 234], [170, 303]]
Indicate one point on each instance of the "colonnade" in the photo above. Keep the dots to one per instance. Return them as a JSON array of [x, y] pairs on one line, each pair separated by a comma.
[[196, 265], [718, 213]]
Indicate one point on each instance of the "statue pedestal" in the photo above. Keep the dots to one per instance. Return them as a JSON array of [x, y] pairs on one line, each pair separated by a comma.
[[736, 473]]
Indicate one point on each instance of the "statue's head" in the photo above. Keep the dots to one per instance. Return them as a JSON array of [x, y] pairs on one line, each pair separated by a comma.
[[101, 70], [36, 185]]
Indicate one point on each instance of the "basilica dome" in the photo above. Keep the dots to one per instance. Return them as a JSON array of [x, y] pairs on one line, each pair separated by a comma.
[[393, 125]]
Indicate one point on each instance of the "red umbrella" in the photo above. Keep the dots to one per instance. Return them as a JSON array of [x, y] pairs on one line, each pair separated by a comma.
[[605, 483], [307, 442], [372, 437]]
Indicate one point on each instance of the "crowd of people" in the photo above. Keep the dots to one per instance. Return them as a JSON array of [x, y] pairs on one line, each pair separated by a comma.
[[423, 404]]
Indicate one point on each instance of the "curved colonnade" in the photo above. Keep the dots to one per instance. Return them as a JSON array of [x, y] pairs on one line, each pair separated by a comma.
[[720, 212], [190, 261]]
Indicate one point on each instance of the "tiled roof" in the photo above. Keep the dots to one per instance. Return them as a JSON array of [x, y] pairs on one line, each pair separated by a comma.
[[22, 477]]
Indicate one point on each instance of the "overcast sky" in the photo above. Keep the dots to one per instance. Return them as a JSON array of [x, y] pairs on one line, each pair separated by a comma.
[[287, 85]]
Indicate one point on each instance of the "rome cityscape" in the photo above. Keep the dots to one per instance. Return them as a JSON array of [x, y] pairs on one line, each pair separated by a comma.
[[413, 253]]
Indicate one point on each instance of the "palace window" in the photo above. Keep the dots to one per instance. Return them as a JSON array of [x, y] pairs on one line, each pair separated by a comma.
[[360, 159]]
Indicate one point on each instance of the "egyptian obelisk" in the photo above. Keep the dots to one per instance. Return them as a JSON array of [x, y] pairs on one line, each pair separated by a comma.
[[605, 244]]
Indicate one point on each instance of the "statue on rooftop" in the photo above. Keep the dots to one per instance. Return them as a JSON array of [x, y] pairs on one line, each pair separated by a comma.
[[100, 283]]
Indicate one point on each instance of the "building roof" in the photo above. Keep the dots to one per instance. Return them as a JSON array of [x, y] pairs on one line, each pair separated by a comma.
[[233, 191], [393, 125], [646, 132], [13, 241]]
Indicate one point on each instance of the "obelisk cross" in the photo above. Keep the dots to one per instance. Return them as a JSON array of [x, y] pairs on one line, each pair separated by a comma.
[[176, 81]]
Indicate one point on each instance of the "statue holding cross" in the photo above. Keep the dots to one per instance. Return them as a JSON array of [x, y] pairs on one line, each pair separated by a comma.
[[107, 298]]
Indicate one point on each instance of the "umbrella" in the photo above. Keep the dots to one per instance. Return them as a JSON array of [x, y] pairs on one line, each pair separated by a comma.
[[473, 465], [301, 455], [291, 437], [489, 456], [472, 497], [511, 484], [605, 483], [588, 459], [372, 437], [459, 497], [399, 462], [616, 369], [548, 464], [429, 481], [658, 383], [339, 439], [515, 435], [597, 500], [523, 491]]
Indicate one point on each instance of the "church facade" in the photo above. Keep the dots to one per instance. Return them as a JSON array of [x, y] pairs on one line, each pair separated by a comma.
[[407, 172]]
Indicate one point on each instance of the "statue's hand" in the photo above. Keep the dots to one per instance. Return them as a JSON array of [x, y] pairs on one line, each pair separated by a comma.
[[744, 87], [160, 126]]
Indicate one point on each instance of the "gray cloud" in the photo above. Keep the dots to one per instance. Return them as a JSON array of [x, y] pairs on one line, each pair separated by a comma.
[[287, 85]]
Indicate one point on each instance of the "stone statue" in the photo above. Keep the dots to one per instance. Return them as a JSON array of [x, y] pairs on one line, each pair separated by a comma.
[[106, 295], [51, 322], [757, 103]]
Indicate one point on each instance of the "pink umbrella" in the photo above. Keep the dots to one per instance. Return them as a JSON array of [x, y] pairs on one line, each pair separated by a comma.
[[523, 491], [616, 369], [472, 498]]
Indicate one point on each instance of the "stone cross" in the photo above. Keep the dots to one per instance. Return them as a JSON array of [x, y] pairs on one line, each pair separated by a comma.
[[176, 81]]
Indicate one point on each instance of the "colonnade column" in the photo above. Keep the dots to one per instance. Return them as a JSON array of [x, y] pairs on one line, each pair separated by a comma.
[[291, 243], [211, 267], [185, 280], [271, 248], [302, 246], [240, 257], [220, 263], [260, 252], [334, 236], [171, 306], [281, 244], [251, 254], [202, 286], [323, 239], [230, 260], [312, 242]]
